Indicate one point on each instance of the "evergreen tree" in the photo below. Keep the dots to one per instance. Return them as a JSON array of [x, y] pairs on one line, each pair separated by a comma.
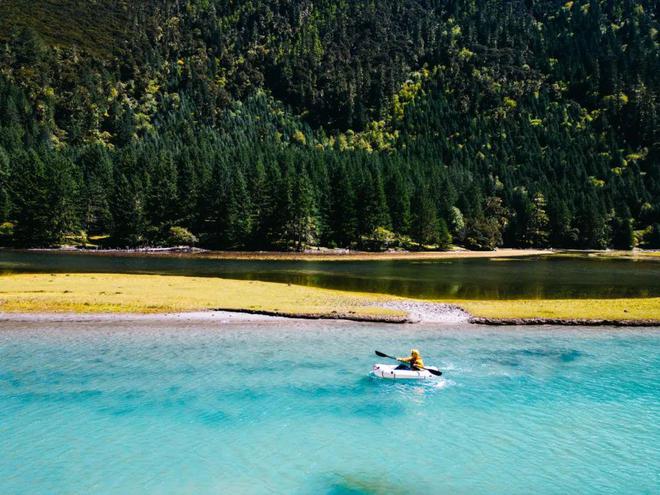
[[425, 224], [4, 185], [377, 116], [42, 208], [162, 197], [300, 223], [398, 194], [343, 211], [97, 173], [128, 212], [622, 233]]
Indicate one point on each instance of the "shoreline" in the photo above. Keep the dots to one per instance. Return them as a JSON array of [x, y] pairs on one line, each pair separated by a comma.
[[268, 318], [310, 255], [324, 254], [476, 320], [117, 294]]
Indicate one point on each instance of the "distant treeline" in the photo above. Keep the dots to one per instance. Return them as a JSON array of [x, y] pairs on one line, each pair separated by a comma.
[[370, 124]]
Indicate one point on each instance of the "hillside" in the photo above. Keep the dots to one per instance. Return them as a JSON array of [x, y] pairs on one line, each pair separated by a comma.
[[282, 124], [97, 27]]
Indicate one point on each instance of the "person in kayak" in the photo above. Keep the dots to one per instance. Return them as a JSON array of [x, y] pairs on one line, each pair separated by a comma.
[[414, 361]]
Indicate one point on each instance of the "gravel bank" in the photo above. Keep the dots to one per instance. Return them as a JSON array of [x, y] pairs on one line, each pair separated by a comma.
[[429, 312]]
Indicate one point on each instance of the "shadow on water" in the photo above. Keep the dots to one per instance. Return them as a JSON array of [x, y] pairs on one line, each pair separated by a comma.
[[532, 277], [363, 485], [519, 357]]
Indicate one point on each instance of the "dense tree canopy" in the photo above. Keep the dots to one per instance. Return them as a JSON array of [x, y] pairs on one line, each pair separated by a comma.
[[280, 124]]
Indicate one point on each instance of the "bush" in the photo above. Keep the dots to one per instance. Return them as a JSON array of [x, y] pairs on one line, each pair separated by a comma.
[[482, 235], [382, 239], [180, 236], [76, 239], [6, 233], [652, 239]]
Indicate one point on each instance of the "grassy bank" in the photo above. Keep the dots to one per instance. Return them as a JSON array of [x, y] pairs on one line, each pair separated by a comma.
[[566, 309], [118, 293]]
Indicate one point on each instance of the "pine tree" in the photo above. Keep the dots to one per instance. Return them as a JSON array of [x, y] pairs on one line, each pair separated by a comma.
[[97, 173], [622, 233], [162, 196], [128, 212], [398, 195], [343, 213], [373, 205], [300, 224], [425, 223], [42, 206], [4, 185]]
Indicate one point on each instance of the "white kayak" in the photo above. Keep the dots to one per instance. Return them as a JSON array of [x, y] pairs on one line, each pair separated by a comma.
[[397, 372]]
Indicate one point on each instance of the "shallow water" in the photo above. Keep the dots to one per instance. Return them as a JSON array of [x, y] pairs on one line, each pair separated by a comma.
[[169, 407], [475, 278]]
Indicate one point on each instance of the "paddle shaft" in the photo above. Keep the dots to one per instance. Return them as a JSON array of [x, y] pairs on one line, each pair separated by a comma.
[[433, 372]]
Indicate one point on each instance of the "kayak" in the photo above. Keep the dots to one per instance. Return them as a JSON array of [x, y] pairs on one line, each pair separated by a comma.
[[398, 372]]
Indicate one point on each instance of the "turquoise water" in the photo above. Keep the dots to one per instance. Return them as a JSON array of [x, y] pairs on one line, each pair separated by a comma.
[[194, 407]]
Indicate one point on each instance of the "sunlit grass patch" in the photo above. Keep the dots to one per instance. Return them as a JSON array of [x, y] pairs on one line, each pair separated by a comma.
[[88, 293], [583, 309], [120, 293]]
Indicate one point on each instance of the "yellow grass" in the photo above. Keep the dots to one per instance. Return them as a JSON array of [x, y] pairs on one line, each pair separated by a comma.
[[89, 293], [588, 309], [118, 293], [636, 254]]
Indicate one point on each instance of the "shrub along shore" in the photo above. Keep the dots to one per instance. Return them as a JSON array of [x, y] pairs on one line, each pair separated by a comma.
[[119, 293]]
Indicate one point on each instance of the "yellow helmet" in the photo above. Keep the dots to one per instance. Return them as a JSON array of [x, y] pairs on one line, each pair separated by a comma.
[[414, 352]]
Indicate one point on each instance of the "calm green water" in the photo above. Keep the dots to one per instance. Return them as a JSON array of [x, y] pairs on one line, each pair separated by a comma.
[[196, 407], [538, 277]]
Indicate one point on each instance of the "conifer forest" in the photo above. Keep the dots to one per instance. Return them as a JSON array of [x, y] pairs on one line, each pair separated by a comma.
[[364, 124]]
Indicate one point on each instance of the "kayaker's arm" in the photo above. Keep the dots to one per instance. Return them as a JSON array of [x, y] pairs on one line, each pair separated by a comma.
[[414, 363]]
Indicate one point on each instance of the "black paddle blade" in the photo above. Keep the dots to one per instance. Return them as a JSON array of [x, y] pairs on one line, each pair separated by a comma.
[[381, 354]]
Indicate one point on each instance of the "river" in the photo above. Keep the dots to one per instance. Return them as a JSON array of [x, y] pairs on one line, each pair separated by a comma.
[[543, 277], [142, 405]]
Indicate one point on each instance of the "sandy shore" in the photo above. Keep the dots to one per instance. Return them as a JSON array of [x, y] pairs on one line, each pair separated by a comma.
[[208, 316], [315, 255], [417, 312], [420, 313]]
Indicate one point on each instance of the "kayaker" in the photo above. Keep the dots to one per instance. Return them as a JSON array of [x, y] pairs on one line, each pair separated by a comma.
[[414, 361]]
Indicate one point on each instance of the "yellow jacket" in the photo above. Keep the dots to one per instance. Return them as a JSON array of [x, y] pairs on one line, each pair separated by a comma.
[[413, 361]]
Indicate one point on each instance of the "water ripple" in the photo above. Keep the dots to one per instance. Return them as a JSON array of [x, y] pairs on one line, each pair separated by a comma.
[[147, 408]]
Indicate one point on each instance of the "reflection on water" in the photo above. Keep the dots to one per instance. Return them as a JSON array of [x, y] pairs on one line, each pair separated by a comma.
[[537, 277]]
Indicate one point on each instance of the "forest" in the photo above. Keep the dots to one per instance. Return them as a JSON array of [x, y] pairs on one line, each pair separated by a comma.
[[364, 124]]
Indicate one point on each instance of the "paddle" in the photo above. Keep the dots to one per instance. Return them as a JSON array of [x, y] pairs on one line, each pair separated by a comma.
[[433, 372]]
